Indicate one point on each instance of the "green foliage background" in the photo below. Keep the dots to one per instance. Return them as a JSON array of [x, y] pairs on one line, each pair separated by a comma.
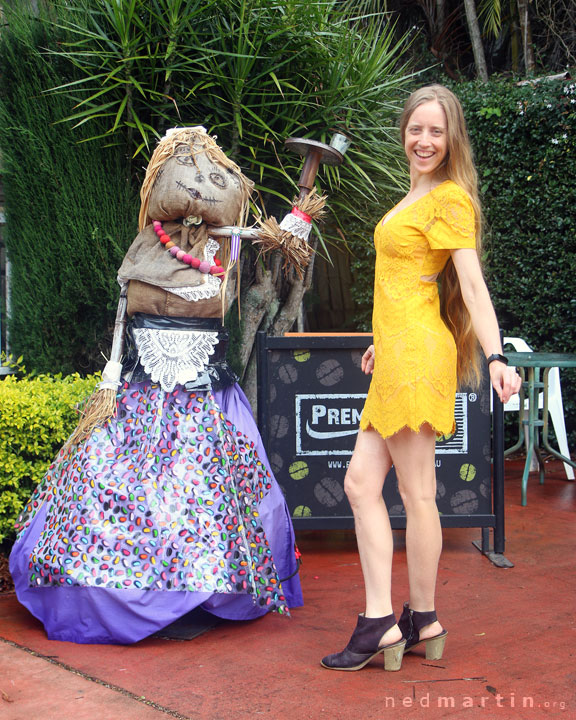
[[121, 73], [37, 415], [70, 213], [524, 139]]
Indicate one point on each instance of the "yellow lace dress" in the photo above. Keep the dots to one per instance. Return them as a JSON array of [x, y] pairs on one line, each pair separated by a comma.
[[414, 379]]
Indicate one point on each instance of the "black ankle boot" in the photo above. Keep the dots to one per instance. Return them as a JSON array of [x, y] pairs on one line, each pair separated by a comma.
[[412, 622], [363, 646]]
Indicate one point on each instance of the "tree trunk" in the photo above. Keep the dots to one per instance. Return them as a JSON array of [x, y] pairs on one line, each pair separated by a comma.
[[256, 303], [263, 310], [514, 38], [476, 39], [526, 33], [440, 14]]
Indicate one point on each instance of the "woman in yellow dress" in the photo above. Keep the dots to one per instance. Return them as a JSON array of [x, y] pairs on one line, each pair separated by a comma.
[[426, 341]]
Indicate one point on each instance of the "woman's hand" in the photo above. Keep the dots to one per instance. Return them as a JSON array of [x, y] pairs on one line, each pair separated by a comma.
[[505, 380], [368, 361]]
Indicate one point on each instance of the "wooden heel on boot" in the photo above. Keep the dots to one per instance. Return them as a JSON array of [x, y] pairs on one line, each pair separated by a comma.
[[435, 646], [393, 655]]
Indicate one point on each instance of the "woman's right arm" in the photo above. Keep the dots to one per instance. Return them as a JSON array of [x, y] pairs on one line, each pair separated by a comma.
[[505, 380]]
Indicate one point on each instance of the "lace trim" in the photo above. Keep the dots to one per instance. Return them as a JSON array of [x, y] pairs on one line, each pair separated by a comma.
[[416, 426], [450, 204], [174, 357], [200, 292], [389, 411], [296, 226]]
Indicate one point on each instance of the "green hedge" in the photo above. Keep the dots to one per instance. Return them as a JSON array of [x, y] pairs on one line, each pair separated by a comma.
[[524, 139], [68, 223], [37, 415]]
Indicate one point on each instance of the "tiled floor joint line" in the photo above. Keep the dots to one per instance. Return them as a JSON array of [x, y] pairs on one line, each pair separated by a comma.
[[91, 678]]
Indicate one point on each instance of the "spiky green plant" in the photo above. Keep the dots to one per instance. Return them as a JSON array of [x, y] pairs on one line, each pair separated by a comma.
[[254, 72]]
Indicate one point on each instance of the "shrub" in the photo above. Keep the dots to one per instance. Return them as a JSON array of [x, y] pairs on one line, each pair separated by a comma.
[[37, 414]]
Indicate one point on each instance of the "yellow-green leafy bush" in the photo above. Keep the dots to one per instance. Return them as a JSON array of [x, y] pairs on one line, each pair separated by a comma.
[[37, 414]]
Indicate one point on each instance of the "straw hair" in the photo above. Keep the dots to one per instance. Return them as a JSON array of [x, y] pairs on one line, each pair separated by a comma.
[[458, 167]]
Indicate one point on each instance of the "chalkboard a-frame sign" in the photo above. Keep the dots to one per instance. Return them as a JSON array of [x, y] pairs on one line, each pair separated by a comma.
[[311, 392]]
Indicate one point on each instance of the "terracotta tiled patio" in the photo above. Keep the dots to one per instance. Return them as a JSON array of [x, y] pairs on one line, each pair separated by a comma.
[[510, 651]]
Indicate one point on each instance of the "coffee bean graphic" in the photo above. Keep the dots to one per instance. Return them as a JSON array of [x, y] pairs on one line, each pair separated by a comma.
[[299, 470], [464, 502], [301, 355], [356, 356], [485, 489], [440, 489], [467, 472], [276, 462], [288, 374], [302, 511], [328, 492], [278, 426], [272, 393], [329, 372], [397, 510]]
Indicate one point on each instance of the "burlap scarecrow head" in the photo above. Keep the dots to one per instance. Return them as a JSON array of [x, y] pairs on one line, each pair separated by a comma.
[[189, 176], [189, 185]]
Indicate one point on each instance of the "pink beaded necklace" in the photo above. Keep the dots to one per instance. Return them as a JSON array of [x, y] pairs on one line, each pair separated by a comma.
[[202, 265]]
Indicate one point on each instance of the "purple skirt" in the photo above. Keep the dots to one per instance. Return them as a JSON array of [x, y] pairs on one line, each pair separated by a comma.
[[168, 507]]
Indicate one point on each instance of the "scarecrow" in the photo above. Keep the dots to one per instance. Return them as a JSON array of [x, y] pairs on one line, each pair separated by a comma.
[[163, 499]]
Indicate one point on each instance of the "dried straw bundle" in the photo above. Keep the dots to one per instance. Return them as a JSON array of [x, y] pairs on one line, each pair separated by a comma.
[[98, 409], [101, 405], [295, 249]]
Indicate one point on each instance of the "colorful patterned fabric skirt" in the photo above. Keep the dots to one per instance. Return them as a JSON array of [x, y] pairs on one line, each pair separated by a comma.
[[170, 506]]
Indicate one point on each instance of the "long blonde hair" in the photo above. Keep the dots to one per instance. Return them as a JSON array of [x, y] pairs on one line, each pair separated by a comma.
[[458, 167]]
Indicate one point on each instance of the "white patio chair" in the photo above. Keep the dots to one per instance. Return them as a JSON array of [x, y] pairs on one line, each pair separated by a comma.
[[555, 406]]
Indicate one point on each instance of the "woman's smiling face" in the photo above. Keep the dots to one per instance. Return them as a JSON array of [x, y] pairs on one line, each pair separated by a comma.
[[426, 138]]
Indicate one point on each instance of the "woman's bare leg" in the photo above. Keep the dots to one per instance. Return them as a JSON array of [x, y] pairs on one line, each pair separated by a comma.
[[363, 484], [413, 457]]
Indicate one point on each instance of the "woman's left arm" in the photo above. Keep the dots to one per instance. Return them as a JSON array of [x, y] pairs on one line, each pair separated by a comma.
[[505, 380]]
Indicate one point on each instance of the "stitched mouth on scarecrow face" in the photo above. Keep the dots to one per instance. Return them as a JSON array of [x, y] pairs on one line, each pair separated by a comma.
[[195, 194]]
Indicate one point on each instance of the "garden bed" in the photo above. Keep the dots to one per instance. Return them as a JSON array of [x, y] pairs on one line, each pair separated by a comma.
[[6, 584]]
